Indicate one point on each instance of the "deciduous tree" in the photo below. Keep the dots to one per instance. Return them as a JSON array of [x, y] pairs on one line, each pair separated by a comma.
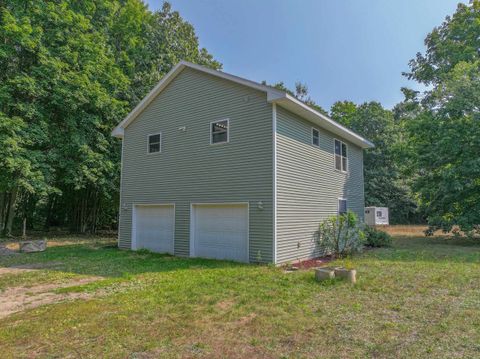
[[444, 132]]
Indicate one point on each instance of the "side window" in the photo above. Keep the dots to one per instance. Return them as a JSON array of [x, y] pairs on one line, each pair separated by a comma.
[[154, 143], [341, 161], [315, 137], [342, 206], [219, 131]]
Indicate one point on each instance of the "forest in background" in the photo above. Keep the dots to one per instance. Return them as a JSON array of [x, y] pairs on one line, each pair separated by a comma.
[[70, 71]]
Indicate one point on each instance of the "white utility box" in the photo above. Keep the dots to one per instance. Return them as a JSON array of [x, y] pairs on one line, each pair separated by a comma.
[[376, 216]]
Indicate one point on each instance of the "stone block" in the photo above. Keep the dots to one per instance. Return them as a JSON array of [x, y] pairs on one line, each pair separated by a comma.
[[33, 246], [324, 273]]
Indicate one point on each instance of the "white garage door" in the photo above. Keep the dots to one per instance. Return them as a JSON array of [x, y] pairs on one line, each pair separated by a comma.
[[220, 231], [154, 228]]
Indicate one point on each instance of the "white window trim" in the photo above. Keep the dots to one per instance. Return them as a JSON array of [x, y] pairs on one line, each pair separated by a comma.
[[311, 134], [228, 132], [334, 155], [338, 204], [148, 143]]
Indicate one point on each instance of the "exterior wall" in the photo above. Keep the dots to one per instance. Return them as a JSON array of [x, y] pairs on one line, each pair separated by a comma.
[[189, 169], [308, 186]]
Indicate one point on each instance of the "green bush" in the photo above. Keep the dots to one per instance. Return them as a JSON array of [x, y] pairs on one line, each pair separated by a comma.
[[341, 235], [376, 238]]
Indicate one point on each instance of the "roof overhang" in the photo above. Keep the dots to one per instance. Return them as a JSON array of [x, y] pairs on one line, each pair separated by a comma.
[[299, 108], [281, 98]]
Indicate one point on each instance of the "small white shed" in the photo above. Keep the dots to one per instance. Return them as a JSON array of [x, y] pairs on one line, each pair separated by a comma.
[[376, 216]]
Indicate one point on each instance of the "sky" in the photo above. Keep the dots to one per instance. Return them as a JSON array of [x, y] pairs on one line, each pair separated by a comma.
[[341, 49]]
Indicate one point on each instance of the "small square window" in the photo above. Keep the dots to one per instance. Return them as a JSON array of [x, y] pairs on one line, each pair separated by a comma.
[[219, 132], [379, 213], [154, 143], [315, 137], [341, 160], [342, 206]]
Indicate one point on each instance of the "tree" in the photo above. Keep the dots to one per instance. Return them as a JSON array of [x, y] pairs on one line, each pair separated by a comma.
[[444, 130], [149, 44], [301, 93], [343, 112]]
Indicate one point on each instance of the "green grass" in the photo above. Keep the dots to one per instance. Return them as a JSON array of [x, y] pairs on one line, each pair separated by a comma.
[[420, 298]]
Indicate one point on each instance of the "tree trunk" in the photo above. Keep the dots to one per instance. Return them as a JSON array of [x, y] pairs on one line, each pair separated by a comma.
[[2, 211], [48, 216], [96, 206], [83, 216], [24, 229], [11, 212]]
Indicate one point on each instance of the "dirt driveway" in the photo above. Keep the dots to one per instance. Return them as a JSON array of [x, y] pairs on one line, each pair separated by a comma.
[[17, 299]]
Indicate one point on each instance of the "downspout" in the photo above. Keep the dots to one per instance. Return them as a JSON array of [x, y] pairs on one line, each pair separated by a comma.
[[274, 200]]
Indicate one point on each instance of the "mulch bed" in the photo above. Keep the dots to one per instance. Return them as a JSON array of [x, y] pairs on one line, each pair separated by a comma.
[[312, 263]]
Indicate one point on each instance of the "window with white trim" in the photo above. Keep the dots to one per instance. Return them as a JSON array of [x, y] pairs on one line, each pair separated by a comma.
[[341, 161], [342, 206], [219, 132], [154, 143], [315, 137]]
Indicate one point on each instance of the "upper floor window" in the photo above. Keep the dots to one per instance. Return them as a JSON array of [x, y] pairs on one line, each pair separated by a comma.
[[341, 161], [315, 137], [154, 143], [342, 206], [219, 132]]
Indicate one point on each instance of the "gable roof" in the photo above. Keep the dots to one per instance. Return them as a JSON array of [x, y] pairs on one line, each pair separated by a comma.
[[274, 95]]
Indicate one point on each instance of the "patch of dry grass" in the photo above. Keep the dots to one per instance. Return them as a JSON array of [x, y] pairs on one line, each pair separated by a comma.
[[409, 230]]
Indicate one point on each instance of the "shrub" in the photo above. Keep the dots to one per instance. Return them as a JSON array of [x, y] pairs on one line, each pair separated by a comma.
[[376, 238], [341, 235]]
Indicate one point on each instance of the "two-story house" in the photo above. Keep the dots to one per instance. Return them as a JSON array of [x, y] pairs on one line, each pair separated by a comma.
[[217, 166]]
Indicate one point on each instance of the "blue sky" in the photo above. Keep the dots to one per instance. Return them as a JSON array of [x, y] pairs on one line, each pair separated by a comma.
[[342, 49]]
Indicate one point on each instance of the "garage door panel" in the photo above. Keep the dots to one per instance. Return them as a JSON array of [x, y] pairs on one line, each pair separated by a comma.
[[155, 228], [221, 231]]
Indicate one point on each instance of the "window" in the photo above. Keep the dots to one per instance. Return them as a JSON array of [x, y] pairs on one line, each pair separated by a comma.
[[379, 213], [341, 162], [154, 143], [342, 206], [219, 132], [315, 137]]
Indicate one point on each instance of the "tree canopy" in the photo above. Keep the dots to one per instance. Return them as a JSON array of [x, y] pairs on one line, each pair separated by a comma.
[[443, 123], [69, 72]]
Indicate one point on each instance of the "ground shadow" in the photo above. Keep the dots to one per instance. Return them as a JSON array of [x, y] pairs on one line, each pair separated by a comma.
[[106, 260]]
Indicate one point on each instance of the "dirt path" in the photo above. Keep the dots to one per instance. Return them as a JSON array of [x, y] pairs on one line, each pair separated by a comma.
[[5, 251], [17, 299], [22, 268]]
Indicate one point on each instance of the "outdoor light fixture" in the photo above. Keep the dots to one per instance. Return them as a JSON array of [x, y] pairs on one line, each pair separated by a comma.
[[124, 206], [260, 205]]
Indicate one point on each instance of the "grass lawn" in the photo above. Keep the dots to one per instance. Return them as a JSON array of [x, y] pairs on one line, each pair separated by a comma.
[[420, 298]]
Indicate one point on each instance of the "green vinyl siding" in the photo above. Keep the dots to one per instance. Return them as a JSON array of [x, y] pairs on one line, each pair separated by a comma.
[[191, 170], [308, 186]]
